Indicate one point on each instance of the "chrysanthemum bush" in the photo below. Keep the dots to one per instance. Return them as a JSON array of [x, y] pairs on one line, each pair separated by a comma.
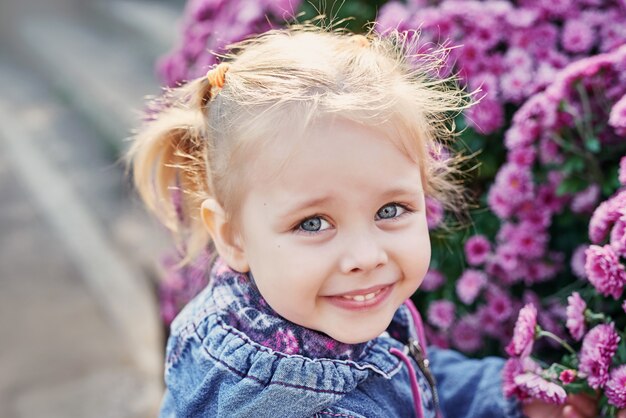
[[595, 359], [550, 124], [551, 131]]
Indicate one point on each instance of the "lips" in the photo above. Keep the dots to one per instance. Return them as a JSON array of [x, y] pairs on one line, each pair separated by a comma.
[[367, 293], [363, 298]]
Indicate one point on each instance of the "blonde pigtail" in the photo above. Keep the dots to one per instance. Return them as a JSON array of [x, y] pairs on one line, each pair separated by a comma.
[[168, 160]]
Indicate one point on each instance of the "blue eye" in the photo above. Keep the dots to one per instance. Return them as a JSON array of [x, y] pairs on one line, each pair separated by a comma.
[[312, 225], [390, 211]]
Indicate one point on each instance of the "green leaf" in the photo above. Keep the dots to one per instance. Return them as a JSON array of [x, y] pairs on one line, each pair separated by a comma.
[[592, 144]]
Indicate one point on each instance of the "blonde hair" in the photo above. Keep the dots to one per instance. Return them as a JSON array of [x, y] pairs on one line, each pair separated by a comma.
[[199, 138]]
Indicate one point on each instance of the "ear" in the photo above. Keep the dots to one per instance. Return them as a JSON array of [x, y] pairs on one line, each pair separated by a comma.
[[228, 246]]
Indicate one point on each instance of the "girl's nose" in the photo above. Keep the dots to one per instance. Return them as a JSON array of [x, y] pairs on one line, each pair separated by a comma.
[[363, 253]]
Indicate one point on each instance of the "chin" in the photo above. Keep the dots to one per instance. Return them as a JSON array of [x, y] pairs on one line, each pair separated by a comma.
[[357, 336]]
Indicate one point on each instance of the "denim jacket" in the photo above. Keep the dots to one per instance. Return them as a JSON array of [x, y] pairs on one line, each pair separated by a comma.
[[215, 370]]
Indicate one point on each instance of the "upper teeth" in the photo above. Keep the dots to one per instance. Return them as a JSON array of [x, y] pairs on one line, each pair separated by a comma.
[[361, 298]]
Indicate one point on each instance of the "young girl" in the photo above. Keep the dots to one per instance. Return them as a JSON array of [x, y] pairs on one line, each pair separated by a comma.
[[305, 159]]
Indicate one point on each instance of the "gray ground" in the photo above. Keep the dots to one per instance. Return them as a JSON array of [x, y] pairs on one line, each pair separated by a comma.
[[79, 330]]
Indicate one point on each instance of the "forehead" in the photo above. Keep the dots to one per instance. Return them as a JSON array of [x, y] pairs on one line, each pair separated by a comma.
[[333, 154]]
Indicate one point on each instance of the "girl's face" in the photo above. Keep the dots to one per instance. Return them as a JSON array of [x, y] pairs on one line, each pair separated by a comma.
[[338, 239]]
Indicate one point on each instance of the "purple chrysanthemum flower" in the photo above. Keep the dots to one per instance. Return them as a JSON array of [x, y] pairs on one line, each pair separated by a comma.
[[577, 262], [586, 200], [530, 243], [576, 316], [477, 249], [433, 280], [487, 116], [596, 354], [539, 388], [522, 156], [470, 284], [524, 332], [499, 305], [466, 335], [577, 36], [604, 270], [434, 212], [615, 389], [441, 313]]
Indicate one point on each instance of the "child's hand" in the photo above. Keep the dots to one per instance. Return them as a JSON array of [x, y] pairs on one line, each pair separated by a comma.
[[577, 406]]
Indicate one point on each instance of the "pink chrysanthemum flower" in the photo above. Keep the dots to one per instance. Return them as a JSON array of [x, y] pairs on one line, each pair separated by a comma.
[[470, 284], [576, 316], [615, 389], [524, 332], [477, 249], [597, 351], [513, 368], [433, 280], [618, 236], [622, 171], [604, 270], [617, 117], [441, 313], [539, 388]]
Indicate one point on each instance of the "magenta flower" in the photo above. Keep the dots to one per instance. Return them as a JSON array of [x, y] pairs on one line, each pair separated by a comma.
[[586, 200], [524, 332], [433, 280], [539, 388], [596, 354], [604, 270], [477, 249], [499, 305], [576, 316], [567, 376], [466, 335], [577, 263], [470, 284], [441, 313], [615, 389], [434, 213]]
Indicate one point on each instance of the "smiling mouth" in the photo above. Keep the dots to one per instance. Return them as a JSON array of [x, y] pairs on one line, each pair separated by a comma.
[[361, 298]]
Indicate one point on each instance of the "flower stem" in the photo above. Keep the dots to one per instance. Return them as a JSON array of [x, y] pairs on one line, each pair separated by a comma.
[[548, 334]]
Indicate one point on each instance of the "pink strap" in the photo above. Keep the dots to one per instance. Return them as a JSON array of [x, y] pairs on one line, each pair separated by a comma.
[[419, 325], [415, 389]]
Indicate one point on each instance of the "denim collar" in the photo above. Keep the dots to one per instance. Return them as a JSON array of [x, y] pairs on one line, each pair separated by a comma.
[[241, 306]]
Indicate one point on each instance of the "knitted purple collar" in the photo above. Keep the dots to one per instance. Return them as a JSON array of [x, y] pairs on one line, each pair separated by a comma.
[[240, 305]]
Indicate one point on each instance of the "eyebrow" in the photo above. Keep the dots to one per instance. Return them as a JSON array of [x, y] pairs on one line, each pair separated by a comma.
[[317, 201]]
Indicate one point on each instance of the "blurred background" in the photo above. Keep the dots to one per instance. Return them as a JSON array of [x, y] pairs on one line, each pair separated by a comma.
[[80, 334]]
